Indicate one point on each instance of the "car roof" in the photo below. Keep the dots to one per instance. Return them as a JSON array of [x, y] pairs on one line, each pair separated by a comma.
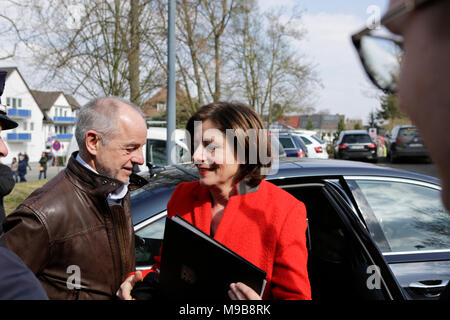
[[160, 187], [311, 167], [293, 167], [355, 132]]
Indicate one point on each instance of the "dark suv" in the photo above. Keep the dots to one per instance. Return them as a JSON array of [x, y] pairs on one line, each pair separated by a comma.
[[355, 144], [405, 142], [293, 145]]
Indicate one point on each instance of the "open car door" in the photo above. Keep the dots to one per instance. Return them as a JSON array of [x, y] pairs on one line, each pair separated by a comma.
[[367, 259]]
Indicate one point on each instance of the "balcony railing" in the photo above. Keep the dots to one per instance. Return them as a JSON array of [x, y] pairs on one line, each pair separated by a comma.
[[19, 113], [65, 119], [18, 137], [63, 136]]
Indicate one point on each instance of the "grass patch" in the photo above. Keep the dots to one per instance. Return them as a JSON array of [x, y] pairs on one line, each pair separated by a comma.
[[20, 192]]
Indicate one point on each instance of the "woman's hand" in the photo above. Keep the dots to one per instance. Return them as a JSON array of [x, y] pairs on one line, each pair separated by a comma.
[[240, 291], [124, 291]]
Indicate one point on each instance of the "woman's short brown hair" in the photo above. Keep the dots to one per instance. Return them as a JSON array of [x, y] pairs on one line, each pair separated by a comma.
[[247, 127]]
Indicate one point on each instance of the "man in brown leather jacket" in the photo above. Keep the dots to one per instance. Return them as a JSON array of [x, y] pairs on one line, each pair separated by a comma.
[[76, 232]]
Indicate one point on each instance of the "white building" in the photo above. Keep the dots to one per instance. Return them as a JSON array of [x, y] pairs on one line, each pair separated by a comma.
[[60, 114], [43, 118]]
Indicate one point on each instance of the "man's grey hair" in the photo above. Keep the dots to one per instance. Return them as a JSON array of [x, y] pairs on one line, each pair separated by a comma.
[[101, 115]]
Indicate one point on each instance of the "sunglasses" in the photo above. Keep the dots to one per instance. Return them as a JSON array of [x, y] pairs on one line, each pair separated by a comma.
[[380, 51]]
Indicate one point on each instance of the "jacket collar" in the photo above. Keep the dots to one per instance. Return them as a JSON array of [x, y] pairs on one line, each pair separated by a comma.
[[242, 188], [98, 184]]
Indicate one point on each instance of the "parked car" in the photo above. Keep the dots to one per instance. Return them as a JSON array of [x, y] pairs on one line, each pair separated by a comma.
[[406, 142], [293, 145], [316, 147], [355, 144], [373, 233]]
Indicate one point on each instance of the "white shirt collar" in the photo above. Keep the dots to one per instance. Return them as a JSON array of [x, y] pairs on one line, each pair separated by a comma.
[[114, 197]]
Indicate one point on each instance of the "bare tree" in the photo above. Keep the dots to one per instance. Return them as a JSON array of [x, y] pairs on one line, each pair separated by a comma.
[[93, 47], [271, 69]]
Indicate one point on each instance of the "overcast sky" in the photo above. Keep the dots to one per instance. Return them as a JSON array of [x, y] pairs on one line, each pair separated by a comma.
[[329, 25]]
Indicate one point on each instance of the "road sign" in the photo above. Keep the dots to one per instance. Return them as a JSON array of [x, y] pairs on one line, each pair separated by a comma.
[[56, 145], [373, 132]]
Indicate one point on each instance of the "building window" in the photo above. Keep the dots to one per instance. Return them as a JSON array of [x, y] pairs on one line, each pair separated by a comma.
[[8, 102], [19, 102], [32, 126], [25, 126], [14, 103], [160, 106]]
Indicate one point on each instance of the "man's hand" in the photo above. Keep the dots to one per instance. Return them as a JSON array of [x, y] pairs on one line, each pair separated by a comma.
[[124, 291], [240, 291]]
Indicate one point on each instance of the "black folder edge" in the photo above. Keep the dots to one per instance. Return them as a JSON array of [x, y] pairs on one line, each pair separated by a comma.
[[202, 234]]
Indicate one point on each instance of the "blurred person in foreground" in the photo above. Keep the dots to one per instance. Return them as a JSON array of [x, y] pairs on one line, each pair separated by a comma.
[[235, 205], [414, 64], [17, 282], [76, 233]]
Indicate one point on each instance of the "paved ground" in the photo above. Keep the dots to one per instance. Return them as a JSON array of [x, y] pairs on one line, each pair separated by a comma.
[[417, 166], [33, 174]]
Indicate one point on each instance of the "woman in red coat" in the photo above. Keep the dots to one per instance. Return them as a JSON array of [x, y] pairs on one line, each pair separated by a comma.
[[231, 202]]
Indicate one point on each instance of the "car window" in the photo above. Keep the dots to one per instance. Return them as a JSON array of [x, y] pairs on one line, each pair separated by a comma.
[[356, 138], [148, 242], [306, 140], [287, 142], [277, 149], [317, 139], [410, 216], [407, 132], [156, 153]]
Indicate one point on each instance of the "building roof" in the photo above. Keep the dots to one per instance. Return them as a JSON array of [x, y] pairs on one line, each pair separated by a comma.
[[160, 97], [46, 99], [292, 121], [9, 70]]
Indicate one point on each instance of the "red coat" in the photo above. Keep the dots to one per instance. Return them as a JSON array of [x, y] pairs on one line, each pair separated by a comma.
[[265, 225]]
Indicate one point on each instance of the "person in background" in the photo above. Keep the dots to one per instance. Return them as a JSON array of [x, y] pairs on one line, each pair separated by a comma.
[[15, 169], [235, 205], [17, 282], [27, 160], [43, 166], [22, 168]]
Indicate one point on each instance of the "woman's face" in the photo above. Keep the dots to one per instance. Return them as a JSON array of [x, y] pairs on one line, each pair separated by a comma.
[[214, 156]]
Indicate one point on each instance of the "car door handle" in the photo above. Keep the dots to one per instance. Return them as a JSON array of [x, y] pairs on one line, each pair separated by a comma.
[[430, 289]]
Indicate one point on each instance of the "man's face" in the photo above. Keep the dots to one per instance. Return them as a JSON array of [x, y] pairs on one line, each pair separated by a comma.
[[424, 83], [117, 158], [3, 148]]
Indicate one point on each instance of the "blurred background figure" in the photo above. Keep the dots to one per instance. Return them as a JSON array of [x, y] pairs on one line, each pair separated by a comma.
[[22, 168], [43, 166], [15, 169]]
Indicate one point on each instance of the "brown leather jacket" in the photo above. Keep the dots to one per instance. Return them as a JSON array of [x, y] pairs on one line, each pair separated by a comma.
[[78, 246]]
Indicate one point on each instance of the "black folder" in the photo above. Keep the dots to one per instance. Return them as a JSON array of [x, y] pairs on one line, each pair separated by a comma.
[[194, 266]]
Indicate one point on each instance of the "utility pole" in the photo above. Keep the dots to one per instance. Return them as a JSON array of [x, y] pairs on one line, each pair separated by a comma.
[[171, 86]]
